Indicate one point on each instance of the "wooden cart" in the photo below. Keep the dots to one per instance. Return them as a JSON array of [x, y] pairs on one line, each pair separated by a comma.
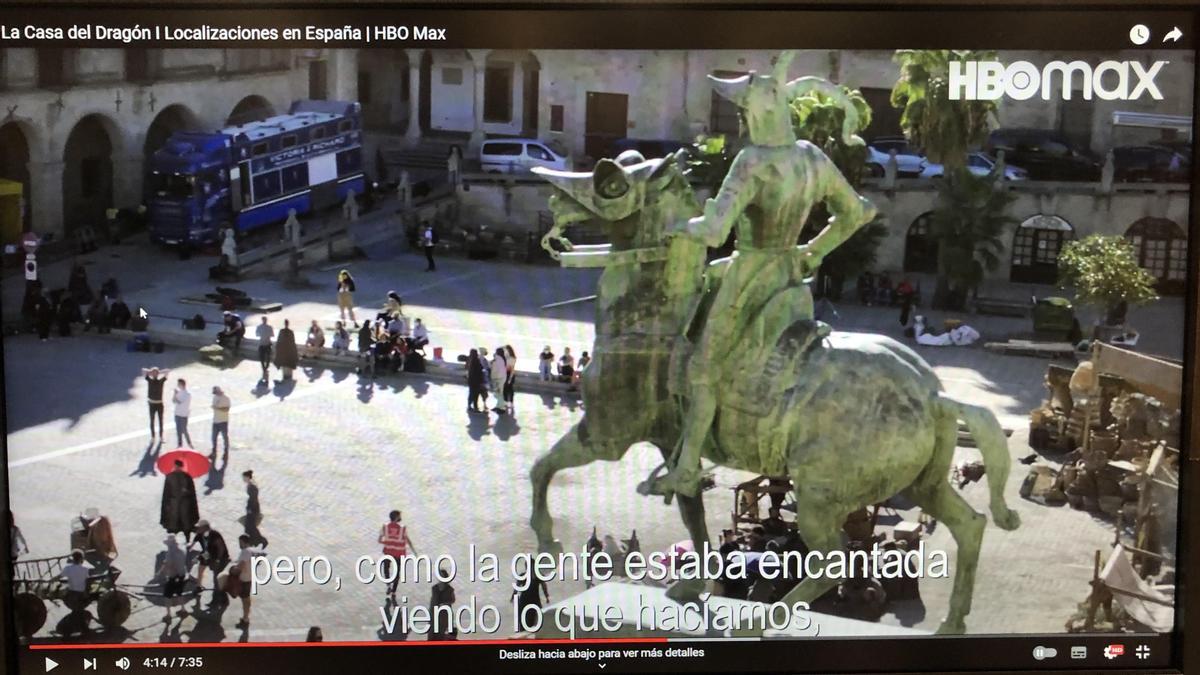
[[38, 581]]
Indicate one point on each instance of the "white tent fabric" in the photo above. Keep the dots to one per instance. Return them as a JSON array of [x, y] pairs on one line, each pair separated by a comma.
[[1118, 575]]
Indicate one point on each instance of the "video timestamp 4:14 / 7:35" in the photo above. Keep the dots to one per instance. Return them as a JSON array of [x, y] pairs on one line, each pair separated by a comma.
[[165, 662]]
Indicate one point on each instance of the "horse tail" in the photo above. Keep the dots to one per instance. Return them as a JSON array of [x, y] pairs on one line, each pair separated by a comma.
[[993, 445]]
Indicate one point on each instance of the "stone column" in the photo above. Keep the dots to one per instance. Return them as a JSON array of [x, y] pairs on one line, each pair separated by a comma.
[[342, 74], [518, 98], [413, 133], [45, 196], [479, 60]]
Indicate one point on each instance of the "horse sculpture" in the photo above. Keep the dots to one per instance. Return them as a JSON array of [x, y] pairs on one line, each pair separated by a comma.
[[852, 419]]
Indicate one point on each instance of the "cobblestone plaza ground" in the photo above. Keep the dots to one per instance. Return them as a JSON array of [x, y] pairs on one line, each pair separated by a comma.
[[334, 453]]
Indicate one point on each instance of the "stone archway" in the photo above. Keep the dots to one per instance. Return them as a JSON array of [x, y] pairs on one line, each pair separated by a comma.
[[1161, 247], [88, 176], [176, 117], [510, 91], [1036, 245], [920, 246], [14, 166], [383, 88], [250, 109]]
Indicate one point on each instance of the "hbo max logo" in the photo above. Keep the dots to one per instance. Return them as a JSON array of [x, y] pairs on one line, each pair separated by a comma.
[[1022, 80]]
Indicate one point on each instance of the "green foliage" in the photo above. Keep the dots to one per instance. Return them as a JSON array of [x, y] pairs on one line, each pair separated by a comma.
[[945, 130], [969, 223], [818, 119], [857, 253], [708, 161], [1105, 273]]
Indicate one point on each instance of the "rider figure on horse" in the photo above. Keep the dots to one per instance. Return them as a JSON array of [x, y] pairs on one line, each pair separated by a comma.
[[771, 186]]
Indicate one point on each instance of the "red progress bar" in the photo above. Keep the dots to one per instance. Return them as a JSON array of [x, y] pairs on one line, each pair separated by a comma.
[[354, 643]]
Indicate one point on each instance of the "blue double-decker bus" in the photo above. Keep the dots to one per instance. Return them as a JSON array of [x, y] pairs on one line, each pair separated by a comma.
[[249, 175]]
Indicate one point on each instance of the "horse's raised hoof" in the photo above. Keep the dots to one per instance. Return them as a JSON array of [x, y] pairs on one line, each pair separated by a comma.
[[553, 547], [949, 627], [687, 590]]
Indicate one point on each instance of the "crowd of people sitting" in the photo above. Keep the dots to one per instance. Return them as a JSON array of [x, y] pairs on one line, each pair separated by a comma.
[[389, 343], [568, 370], [55, 311]]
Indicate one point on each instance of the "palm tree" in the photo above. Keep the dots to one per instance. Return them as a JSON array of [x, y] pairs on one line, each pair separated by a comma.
[[969, 222], [945, 130]]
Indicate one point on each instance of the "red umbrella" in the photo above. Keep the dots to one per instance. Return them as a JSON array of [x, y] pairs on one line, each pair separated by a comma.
[[194, 463]]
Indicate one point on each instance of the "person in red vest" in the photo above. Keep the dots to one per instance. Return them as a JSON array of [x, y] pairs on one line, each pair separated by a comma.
[[396, 544]]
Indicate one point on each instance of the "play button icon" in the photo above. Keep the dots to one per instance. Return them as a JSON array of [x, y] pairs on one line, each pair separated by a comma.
[[51, 664]]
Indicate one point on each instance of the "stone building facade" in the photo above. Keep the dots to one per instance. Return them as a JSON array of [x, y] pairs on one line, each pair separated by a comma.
[[79, 123], [585, 99]]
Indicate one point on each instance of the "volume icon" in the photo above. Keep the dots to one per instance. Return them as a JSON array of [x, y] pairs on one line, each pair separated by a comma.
[[122, 663]]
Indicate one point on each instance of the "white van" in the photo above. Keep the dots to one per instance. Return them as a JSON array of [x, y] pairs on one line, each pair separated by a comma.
[[519, 155]]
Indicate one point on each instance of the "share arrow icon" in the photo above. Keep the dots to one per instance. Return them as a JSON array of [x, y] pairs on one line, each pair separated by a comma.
[[1174, 35]]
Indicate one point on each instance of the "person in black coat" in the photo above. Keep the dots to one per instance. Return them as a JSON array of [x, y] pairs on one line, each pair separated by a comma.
[[253, 511], [44, 311], [119, 314], [68, 312], [442, 595], [180, 512], [29, 304], [475, 382], [78, 285]]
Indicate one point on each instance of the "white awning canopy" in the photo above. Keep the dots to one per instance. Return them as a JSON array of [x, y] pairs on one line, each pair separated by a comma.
[[1044, 222], [1179, 123]]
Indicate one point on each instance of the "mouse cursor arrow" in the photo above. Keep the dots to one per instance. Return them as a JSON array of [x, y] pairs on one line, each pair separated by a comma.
[[142, 313], [1174, 35]]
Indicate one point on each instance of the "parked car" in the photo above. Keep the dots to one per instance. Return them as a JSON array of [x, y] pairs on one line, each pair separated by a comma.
[[650, 148], [1044, 154], [908, 161], [978, 164], [519, 155], [1150, 163]]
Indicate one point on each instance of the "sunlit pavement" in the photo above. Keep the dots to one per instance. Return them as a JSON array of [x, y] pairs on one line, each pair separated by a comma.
[[334, 454]]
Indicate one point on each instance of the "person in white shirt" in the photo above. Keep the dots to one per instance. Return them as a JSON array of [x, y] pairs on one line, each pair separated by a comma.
[[182, 398], [76, 574], [420, 335], [265, 333], [242, 570], [341, 339], [220, 421], [397, 328], [566, 366], [499, 378], [428, 243]]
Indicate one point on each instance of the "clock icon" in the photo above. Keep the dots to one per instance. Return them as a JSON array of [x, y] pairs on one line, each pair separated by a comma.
[[1139, 34]]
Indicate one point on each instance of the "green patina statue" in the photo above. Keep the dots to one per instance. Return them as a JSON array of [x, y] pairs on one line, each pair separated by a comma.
[[853, 419]]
